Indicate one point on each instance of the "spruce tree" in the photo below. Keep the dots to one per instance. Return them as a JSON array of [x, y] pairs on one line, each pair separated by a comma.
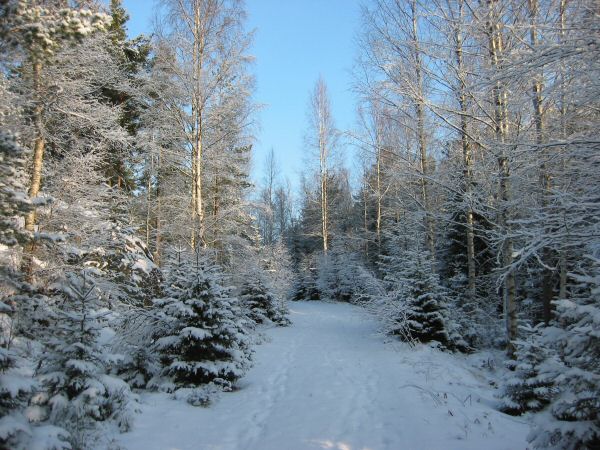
[[423, 317], [204, 334], [17, 302], [306, 286], [572, 420], [78, 392], [527, 388], [261, 303]]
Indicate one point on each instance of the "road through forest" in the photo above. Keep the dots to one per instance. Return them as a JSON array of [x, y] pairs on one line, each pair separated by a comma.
[[330, 381]]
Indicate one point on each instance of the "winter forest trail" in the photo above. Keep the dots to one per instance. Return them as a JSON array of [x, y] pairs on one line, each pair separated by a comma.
[[330, 382]]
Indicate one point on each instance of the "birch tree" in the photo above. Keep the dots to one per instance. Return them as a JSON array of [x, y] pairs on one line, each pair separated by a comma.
[[209, 42], [322, 138]]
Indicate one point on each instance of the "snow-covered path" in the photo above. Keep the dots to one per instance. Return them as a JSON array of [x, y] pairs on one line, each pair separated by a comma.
[[330, 382]]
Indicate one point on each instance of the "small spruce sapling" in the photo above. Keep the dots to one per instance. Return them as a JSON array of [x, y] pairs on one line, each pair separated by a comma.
[[261, 304], [205, 338], [527, 388], [77, 390]]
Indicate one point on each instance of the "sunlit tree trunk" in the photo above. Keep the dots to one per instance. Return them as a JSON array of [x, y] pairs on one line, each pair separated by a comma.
[[499, 100], [39, 143], [323, 141], [197, 119]]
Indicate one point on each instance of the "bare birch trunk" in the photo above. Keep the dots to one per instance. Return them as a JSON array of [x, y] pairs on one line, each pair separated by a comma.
[[545, 181], [563, 259], [158, 237], [149, 202], [197, 113], [501, 129], [324, 231], [422, 140], [38, 146], [379, 196]]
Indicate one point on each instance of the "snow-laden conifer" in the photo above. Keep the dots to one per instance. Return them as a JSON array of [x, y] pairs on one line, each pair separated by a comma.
[[77, 390], [572, 420], [261, 303], [204, 331], [527, 388]]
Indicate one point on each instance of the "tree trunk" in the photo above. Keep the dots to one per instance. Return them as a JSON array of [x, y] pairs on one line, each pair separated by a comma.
[[366, 212], [149, 201], [158, 237], [323, 166], [197, 113], [37, 164], [379, 195], [421, 138], [545, 181], [324, 209], [501, 130], [467, 157], [38, 146]]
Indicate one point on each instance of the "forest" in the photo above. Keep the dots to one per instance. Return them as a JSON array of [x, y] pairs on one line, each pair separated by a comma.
[[138, 254]]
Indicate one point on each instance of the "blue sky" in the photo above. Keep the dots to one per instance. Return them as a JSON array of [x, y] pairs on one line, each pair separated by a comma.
[[295, 41]]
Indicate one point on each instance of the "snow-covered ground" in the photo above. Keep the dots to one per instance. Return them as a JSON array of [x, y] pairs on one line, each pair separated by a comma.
[[330, 382]]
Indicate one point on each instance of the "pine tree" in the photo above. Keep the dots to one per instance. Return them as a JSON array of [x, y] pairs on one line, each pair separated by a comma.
[[205, 337], [132, 56]]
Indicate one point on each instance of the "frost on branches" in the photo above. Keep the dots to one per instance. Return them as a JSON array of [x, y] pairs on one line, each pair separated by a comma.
[[528, 388], [17, 384]]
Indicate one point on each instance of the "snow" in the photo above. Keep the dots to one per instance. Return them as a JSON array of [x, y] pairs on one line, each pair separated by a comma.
[[330, 381]]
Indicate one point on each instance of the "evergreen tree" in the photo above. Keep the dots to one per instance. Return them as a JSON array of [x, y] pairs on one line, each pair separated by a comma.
[[572, 421], [139, 365], [16, 382], [14, 202], [344, 277], [78, 392], [132, 56], [205, 337], [306, 286], [128, 273], [527, 388], [261, 303], [423, 314]]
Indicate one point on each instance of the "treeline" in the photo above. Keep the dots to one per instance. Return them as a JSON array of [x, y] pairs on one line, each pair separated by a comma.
[[476, 220], [129, 255]]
